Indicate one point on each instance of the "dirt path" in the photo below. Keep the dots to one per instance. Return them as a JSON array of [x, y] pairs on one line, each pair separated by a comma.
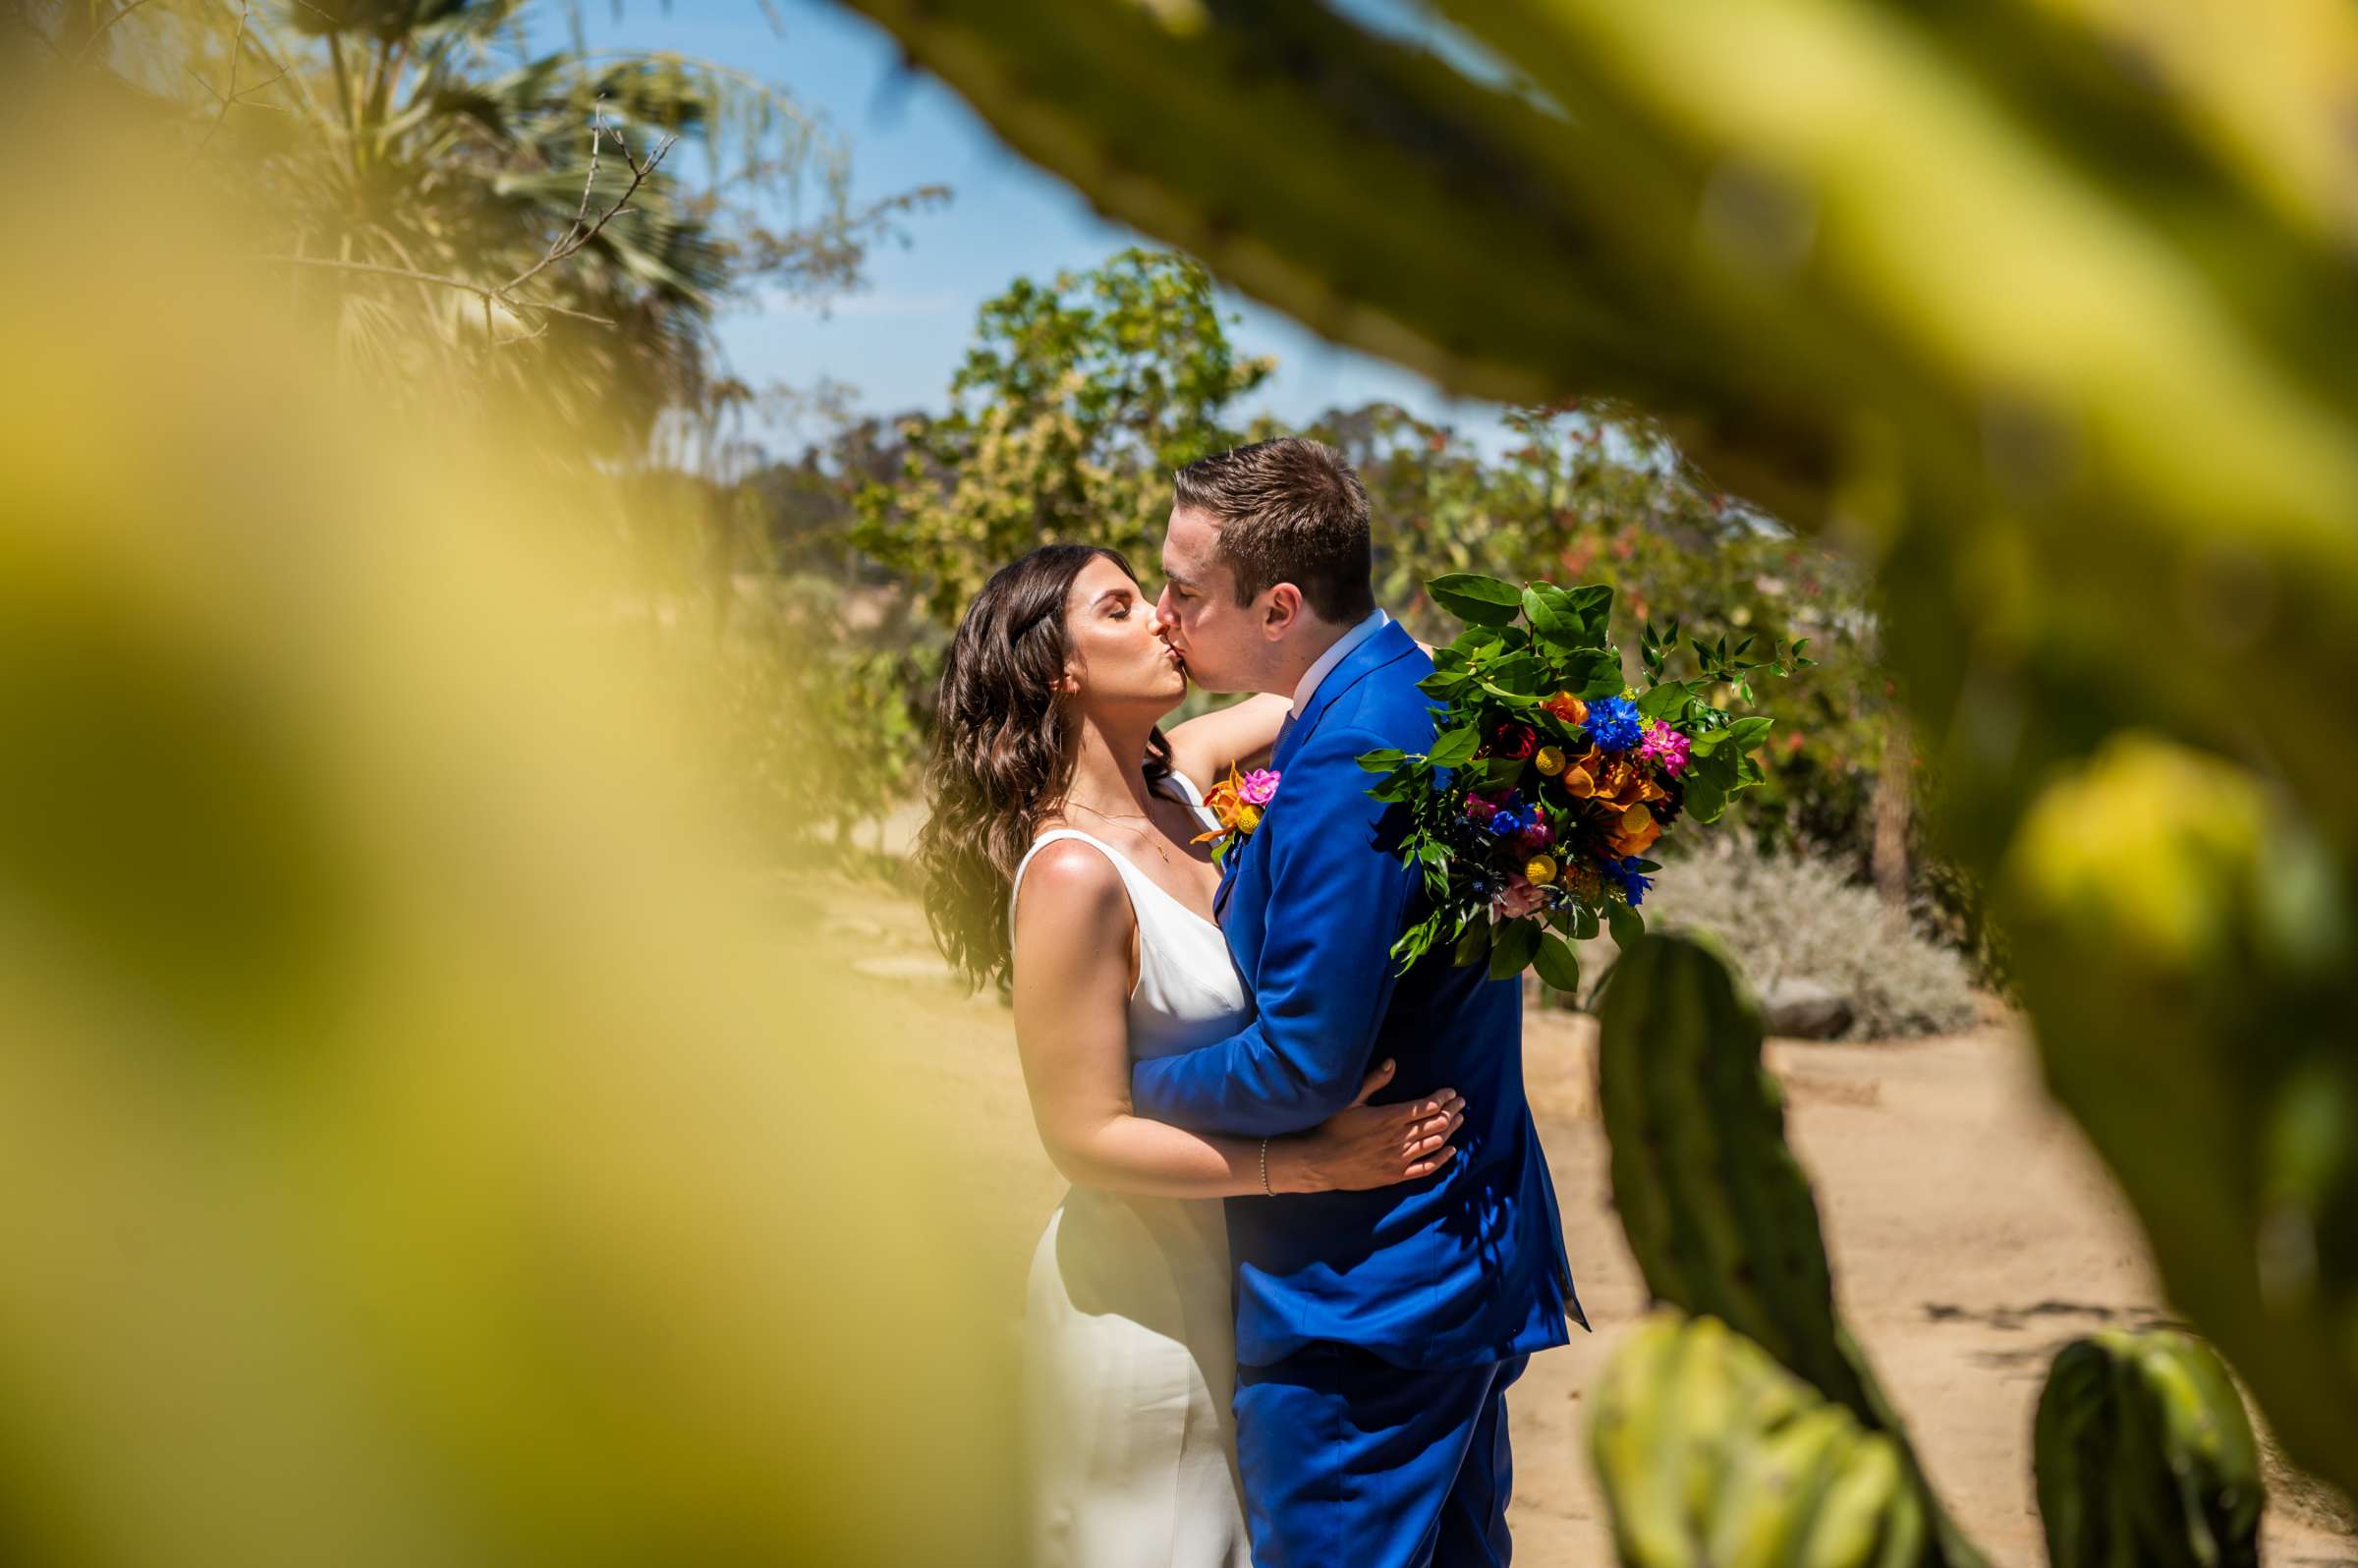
[[1972, 1231]]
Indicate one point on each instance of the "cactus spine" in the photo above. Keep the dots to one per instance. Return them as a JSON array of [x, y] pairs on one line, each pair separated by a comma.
[[1716, 1208], [1712, 1456], [2145, 1458]]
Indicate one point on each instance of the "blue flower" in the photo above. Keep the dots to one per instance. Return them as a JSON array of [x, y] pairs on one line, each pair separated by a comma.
[[1624, 874], [1613, 724], [1505, 824]]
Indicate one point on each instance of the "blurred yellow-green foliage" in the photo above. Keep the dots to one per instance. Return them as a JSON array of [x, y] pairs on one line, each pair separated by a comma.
[[418, 1142]]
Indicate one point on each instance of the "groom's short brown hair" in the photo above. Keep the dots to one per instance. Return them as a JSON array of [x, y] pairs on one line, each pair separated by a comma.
[[1291, 511]]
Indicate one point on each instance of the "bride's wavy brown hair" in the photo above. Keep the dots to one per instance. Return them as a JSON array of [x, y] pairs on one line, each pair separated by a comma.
[[1002, 756]]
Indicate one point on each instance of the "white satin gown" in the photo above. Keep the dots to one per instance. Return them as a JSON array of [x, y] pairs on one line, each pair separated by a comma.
[[1129, 1330]]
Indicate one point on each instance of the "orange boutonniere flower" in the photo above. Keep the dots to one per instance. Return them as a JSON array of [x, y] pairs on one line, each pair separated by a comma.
[[1237, 803]]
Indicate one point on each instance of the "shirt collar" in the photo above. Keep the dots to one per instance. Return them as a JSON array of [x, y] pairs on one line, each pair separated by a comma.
[[1341, 650]]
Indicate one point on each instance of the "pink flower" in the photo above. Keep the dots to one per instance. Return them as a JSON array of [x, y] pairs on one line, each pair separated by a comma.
[[1481, 810], [1520, 898], [1665, 746], [1259, 787], [1538, 836]]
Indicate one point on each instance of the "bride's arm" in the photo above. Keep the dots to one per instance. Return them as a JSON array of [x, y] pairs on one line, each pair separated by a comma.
[[1205, 745], [1074, 935]]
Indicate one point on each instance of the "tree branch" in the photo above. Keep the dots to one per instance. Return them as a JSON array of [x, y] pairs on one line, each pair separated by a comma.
[[576, 236], [487, 294], [237, 54], [91, 42]]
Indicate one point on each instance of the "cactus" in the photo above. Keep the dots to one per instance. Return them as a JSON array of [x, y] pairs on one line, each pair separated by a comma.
[[2144, 1454], [1711, 1455], [2047, 310], [2187, 951], [2145, 1458], [1717, 1211]]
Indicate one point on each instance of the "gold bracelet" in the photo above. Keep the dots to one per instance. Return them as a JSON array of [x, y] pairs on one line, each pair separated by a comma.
[[1265, 1168]]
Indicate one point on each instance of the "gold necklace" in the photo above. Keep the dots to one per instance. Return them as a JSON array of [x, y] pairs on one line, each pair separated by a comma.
[[1154, 840]]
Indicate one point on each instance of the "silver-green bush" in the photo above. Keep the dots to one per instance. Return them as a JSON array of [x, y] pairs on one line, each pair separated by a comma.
[[1791, 918]]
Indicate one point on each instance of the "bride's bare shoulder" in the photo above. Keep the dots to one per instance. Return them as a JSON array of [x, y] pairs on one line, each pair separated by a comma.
[[1073, 925], [1070, 879]]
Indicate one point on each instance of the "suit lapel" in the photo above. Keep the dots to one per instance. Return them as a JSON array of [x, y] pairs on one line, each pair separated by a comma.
[[1228, 867], [1389, 643]]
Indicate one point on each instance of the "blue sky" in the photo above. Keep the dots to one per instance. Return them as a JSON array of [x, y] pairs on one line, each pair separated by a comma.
[[898, 340]]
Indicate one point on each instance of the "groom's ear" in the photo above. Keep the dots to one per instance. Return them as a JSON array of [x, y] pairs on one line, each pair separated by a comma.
[[1283, 611]]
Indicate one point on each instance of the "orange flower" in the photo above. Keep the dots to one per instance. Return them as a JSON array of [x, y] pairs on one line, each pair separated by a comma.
[[1564, 706], [1580, 775], [1227, 803], [1636, 834]]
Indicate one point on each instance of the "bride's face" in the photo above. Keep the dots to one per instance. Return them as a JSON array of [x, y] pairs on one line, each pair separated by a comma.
[[1116, 654]]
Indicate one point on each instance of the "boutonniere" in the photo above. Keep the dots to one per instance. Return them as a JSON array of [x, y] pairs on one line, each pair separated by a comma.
[[1237, 803]]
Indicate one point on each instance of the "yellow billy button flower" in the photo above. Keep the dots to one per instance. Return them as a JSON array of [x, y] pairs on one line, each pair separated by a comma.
[[1248, 817], [1540, 869], [1550, 760]]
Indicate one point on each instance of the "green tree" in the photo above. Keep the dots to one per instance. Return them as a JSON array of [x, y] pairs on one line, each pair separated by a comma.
[[446, 193], [1073, 405], [1601, 494]]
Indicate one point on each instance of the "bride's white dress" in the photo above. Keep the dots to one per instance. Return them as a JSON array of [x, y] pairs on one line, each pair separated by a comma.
[[1129, 1333]]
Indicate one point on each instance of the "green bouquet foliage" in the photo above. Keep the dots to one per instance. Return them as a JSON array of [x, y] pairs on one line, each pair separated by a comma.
[[1551, 776]]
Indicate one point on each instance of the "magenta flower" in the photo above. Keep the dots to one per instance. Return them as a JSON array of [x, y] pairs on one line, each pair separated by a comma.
[[1538, 836], [1259, 787], [1480, 810], [1667, 747]]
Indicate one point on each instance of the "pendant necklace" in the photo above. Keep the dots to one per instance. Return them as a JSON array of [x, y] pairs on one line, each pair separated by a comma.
[[1154, 840]]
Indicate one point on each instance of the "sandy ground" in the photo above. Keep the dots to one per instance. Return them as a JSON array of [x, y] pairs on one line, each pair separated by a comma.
[[1972, 1231]]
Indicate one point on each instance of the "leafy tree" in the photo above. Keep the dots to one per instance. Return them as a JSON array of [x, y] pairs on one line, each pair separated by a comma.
[[445, 190], [1599, 494], [1073, 405]]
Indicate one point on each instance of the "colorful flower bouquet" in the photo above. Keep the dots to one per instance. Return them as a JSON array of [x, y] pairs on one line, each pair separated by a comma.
[[1551, 778]]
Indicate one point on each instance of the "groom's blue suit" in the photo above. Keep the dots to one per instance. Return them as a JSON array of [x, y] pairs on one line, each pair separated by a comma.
[[1376, 1331]]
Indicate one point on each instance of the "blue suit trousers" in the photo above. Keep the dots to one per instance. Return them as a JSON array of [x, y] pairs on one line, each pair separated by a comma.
[[1351, 1462]]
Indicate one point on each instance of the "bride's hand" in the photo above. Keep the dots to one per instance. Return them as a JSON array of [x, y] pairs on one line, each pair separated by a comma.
[[1363, 1146]]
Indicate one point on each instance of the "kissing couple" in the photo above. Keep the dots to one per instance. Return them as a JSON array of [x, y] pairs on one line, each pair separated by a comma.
[[1310, 1239]]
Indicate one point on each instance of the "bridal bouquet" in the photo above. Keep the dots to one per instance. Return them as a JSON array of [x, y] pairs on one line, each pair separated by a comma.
[[1551, 778]]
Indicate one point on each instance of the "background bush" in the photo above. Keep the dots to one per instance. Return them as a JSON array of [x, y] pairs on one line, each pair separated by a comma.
[[1798, 917]]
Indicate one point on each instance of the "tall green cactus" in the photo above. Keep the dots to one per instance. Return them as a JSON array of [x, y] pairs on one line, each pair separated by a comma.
[[2188, 950], [1717, 1210], [2145, 1458], [2047, 307], [2144, 1454], [1712, 1456]]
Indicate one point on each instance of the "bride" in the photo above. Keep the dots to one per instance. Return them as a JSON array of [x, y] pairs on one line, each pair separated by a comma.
[[1058, 859]]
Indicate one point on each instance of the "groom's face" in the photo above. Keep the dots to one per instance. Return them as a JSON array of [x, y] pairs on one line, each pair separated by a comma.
[[1218, 637]]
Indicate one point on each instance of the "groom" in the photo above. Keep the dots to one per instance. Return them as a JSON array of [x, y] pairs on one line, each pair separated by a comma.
[[1376, 1331]]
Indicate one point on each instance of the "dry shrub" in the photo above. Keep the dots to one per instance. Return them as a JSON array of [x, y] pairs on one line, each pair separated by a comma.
[[1783, 917]]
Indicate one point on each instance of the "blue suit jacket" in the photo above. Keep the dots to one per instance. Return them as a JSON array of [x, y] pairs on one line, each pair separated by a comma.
[[1466, 1266]]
